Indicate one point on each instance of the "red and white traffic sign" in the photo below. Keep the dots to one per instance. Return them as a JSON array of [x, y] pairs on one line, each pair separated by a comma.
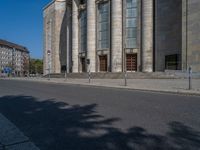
[[48, 52]]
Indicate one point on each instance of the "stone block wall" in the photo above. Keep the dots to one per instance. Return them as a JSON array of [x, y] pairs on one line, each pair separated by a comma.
[[176, 30], [193, 50], [48, 23], [168, 31], [53, 26]]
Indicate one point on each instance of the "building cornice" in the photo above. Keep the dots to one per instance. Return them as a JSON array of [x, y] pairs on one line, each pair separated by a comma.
[[13, 45], [49, 4], [52, 2]]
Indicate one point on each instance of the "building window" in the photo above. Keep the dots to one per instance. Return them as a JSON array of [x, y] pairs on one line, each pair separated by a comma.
[[83, 31], [131, 24], [171, 62], [103, 26], [82, 2]]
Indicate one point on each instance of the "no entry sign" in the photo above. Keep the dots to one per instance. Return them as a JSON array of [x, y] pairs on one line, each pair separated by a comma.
[[48, 52]]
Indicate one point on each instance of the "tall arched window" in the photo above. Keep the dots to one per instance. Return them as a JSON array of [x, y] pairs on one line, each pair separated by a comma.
[[131, 24], [103, 25], [83, 31]]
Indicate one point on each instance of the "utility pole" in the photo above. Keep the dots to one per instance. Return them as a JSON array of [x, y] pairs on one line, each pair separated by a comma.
[[49, 54], [186, 33], [190, 78]]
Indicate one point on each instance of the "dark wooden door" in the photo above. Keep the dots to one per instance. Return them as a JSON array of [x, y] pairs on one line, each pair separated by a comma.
[[131, 62], [83, 65], [103, 63]]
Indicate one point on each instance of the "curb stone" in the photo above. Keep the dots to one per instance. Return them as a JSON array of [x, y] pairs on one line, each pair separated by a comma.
[[11, 138], [178, 92]]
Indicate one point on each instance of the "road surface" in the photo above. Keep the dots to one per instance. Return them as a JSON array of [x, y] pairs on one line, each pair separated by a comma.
[[72, 117]]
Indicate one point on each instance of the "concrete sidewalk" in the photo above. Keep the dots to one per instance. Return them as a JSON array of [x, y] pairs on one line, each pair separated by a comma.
[[178, 86], [11, 138]]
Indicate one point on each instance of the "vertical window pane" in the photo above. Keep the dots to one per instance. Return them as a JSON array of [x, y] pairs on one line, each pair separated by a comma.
[[131, 3], [83, 31], [103, 25], [132, 12], [131, 32], [131, 24], [131, 43]]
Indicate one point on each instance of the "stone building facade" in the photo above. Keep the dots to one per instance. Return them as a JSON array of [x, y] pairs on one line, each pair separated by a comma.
[[191, 34], [121, 35], [15, 57]]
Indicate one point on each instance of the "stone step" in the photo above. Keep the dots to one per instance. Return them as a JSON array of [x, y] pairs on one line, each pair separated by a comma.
[[135, 75]]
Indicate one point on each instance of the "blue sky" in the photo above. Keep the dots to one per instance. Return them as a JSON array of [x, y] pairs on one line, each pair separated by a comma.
[[22, 23]]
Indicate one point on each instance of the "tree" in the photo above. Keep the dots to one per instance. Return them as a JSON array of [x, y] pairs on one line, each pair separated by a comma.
[[36, 66], [26, 65]]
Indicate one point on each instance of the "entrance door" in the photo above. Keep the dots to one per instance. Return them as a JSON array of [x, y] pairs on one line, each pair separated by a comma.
[[131, 62], [83, 65], [171, 62], [103, 63]]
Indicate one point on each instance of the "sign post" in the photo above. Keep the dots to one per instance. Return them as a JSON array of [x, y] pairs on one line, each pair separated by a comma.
[[65, 75], [190, 78], [49, 53], [89, 73], [125, 78]]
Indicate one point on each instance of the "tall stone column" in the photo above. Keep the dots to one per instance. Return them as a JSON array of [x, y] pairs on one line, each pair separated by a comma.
[[147, 35], [69, 35], [75, 36], [91, 34], [60, 8], [116, 35]]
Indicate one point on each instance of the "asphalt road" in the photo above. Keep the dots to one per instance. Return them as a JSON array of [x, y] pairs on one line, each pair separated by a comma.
[[70, 117]]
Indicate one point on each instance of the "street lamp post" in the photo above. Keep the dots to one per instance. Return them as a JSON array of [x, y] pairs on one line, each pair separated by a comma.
[[89, 72], [66, 73], [125, 78], [190, 78], [186, 33], [49, 52], [125, 74]]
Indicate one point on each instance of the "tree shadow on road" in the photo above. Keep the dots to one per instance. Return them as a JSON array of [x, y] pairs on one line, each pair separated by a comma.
[[58, 126]]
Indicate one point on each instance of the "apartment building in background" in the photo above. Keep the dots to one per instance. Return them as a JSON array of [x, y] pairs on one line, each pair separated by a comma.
[[14, 57]]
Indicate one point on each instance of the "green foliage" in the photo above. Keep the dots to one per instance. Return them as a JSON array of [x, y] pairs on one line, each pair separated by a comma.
[[36, 66]]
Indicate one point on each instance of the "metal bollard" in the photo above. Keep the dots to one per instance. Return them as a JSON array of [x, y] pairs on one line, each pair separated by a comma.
[[125, 78], [49, 76], [65, 75], [89, 76], [190, 78]]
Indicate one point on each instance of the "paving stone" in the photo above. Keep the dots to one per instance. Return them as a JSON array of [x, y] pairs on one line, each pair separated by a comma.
[[9, 132]]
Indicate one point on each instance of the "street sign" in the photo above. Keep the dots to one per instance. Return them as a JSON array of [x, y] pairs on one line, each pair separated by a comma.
[[7, 70], [48, 52]]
